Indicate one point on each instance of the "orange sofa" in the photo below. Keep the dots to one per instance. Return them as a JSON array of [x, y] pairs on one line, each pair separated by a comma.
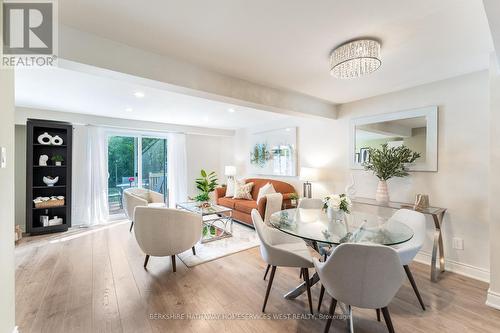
[[242, 208]]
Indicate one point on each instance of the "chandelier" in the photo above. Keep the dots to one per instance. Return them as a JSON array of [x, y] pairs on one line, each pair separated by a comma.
[[355, 59]]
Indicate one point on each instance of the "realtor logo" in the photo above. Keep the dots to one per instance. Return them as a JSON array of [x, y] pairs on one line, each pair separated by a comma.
[[29, 33]]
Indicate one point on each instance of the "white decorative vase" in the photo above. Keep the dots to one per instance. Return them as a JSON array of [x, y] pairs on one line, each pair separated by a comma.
[[58, 163], [382, 194], [334, 215], [50, 181]]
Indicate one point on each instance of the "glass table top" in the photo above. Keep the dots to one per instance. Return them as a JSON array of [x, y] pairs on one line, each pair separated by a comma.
[[195, 207], [357, 227]]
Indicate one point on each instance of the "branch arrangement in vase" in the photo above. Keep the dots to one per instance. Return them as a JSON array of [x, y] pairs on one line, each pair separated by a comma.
[[386, 163]]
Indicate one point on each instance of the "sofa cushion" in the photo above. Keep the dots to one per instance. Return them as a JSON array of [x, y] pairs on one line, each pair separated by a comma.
[[279, 186], [226, 202], [243, 190], [265, 190], [245, 206]]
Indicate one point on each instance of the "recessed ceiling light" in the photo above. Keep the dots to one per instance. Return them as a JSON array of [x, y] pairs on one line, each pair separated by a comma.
[[231, 110], [139, 94], [129, 109]]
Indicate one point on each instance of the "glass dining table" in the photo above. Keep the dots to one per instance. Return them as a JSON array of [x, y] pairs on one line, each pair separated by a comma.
[[320, 229]]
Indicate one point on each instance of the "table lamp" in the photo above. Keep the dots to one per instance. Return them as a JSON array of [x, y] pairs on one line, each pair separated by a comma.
[[308, 175], [230, 171]]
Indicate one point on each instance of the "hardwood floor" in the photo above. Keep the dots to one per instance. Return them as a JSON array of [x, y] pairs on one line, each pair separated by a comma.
[[95, 282]]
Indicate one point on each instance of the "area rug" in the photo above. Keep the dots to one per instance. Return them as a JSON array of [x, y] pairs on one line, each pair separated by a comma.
[[244, 238]]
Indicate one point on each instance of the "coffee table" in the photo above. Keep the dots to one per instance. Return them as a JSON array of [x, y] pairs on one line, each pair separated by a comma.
[[217, 220]]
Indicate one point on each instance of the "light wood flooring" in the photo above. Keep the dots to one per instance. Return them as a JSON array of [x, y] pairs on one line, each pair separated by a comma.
[[95, 282]]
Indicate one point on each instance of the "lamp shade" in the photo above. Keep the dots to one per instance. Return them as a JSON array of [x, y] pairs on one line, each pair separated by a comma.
[[230, 170], [309, 174]]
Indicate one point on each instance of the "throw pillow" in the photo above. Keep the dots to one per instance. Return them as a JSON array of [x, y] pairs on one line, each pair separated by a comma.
[[264, 190], [242, 190], [230, 188]]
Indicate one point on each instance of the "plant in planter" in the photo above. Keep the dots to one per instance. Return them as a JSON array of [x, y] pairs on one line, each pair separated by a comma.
[[387, 163], [337, 205], [206, 184], [57, 159], [293, 199]]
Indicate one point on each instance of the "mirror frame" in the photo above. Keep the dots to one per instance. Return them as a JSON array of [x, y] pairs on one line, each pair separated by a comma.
[[431, 116]]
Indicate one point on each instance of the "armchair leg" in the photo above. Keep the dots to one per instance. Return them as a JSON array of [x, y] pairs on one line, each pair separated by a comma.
[[331, 312], [301, 273], [146, 260], [270, 283], [131, 226], [267, 270], [308, 287], [387, 318], [378, 314], [194, 251], [414, 285], [173, 263], [321, 294]]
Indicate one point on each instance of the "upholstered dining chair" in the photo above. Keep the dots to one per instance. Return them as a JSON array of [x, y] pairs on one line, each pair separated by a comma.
[[308, 203], [162, 232], [408, 250], [134, 197], [361, 275], [280, 249]]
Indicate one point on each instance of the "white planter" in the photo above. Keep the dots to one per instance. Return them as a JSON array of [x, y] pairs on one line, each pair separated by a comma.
[[382, 194], [334, 215], [58, 163]]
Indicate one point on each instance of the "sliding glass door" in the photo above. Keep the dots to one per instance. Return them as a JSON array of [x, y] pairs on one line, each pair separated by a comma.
[[135, 161]]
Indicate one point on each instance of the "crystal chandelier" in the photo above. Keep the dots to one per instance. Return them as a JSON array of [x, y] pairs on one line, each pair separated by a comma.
[[355, 59]]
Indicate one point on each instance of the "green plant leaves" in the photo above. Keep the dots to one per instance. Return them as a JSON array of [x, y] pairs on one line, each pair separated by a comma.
[[205, 184], [391, 162]]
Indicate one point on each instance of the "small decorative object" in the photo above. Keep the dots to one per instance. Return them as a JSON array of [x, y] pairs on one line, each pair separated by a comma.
[[42, 161], [337, 205], [44, 220], [206, 184], [293, 199], [57, 159], [45, 139], [49, 202], [388, 162], [350, 189], [18, 233], [56, 221], [50, 181], [421, 202], [56, 140]]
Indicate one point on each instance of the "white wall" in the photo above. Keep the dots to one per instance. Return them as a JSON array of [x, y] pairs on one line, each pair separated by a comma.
[[7, 301], [461, 184]]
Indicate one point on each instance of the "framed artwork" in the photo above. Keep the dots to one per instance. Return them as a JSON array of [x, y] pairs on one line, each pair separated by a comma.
[[274, 152]]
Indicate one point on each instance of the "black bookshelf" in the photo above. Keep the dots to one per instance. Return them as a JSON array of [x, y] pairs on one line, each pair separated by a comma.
[[35, 187]]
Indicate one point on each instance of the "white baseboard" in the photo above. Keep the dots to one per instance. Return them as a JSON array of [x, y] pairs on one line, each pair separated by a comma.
[[474, 272], [493, 299]]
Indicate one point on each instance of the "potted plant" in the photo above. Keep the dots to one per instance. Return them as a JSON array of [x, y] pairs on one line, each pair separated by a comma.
[[337, 205], [57, 159], [293, 199], [206, 184], [387, 163]]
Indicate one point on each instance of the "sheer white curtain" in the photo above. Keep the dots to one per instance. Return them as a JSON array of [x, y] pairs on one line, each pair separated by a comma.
[[177, 169], [90, 176]]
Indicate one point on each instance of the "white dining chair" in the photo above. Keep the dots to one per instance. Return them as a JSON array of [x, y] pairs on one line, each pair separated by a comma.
[[361, 275], [280, 249], [308, 203], [162, 232], [408, 250]]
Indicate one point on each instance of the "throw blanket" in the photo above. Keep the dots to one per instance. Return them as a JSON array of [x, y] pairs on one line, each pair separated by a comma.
[[273, 205]]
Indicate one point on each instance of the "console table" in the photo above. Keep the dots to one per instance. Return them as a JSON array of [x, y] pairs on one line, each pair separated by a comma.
[[437, 216]]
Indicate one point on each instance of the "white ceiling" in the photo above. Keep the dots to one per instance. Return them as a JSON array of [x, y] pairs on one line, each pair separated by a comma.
[[286, 44], [71, 91]]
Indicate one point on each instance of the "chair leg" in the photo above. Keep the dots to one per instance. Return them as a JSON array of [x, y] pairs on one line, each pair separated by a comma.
[[321, 293], [414, 285], [173, 263], [387, 318], [267, 271], [146, 260], [194, 251], [271, 278], [378, 314], [301, 273], [131, 226], [331, 312], [308, 287]]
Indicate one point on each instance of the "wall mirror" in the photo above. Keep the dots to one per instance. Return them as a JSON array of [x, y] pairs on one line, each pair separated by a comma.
[[416, 129]]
